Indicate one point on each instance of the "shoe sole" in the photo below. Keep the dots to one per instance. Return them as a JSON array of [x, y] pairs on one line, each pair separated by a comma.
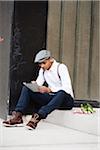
[[29, 128], [15, 125]]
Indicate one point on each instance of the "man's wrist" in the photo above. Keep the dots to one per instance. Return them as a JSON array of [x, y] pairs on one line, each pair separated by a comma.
[[49, 90]]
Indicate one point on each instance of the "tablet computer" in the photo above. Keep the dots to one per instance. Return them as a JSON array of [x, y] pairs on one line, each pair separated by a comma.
[[32, 86]]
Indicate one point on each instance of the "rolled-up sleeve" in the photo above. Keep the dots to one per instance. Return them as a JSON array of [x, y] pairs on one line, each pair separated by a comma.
[[65, 80], [40, 79]]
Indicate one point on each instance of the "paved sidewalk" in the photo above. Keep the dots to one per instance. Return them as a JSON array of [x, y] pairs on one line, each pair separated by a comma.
[[47, 136]]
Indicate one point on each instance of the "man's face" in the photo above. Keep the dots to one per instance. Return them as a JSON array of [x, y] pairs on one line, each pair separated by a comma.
[[46, 64]]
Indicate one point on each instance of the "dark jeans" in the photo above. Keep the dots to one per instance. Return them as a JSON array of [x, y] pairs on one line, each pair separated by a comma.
[[44, 103]]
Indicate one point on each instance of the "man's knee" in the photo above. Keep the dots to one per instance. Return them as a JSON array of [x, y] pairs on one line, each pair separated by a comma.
[[25, 89], [62, 92], [68, 101]]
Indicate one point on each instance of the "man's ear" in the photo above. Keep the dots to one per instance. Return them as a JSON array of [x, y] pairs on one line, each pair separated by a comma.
[[51, 60]]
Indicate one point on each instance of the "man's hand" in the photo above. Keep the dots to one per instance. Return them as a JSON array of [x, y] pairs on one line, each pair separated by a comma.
[[44, 89]]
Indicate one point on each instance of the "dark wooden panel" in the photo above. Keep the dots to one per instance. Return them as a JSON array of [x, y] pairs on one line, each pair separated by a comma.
[[28, 37]]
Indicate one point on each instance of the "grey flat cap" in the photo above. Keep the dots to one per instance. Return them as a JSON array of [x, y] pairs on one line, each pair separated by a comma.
[[42, 55]]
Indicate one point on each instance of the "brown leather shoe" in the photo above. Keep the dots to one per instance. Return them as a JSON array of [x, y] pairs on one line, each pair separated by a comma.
[[32, 124], [16, 120]]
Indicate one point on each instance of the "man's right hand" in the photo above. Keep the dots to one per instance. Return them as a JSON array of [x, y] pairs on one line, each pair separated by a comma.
[[44, 89]]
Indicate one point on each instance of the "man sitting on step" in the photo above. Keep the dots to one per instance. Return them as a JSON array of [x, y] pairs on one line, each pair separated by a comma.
[[58, 93]]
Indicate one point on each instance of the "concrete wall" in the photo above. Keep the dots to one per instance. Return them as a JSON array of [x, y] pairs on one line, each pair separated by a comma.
[[73, 38], [6, 8]]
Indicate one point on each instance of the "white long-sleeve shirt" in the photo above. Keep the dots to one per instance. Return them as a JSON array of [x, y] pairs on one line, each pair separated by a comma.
[[57, 78]]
